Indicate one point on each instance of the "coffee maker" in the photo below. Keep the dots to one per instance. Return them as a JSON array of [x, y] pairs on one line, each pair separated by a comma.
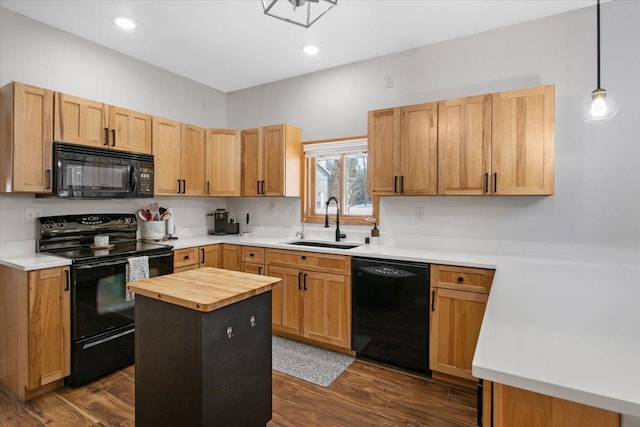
[[220, 221]]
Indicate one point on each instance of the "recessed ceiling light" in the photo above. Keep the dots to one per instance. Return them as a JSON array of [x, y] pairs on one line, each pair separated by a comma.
[[311, 50], [126, 23]]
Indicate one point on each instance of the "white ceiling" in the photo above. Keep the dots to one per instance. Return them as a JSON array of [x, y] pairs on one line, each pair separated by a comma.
[[231, 45]]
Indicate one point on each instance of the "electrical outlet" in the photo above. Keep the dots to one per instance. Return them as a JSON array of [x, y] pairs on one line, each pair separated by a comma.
[[388, 81], [272, 209], [30, 214], [419, 214]]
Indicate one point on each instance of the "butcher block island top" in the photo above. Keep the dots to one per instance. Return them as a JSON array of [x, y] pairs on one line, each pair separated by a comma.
[[204, 289]]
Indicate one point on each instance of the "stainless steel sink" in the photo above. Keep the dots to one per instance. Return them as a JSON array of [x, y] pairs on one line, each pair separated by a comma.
[[319, 244]]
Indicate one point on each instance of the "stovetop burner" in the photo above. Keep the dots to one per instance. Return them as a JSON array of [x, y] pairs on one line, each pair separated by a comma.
[[71, 236]]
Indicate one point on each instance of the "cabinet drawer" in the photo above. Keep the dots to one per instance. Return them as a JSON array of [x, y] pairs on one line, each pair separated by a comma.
[[326, 263], [461, 278], [184, 257], [253, 254]]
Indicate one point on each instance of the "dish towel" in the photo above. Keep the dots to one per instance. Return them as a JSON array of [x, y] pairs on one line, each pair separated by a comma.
[[137, 268]]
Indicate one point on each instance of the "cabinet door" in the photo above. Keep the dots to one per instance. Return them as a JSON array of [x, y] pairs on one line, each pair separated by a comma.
[[231, 257], [464, 146], [522, 141], [49, 326], [456, 317], [192, 160], [80, 121], [130, 130], [419, 149], [251, 161], [512, 406], [166, 156], [273, 155], [223, 162], [210, 256], [383, 152], [26, 134], [249, 267], [287, 300], [327, 308]]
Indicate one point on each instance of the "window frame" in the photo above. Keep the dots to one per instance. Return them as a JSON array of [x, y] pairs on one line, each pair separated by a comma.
[[308, 199]]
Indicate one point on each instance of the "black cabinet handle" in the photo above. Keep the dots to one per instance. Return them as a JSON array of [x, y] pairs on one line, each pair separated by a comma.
[[207, 187], [433, 300], [178, 186], [66, 280], [299, 281], [184, 186], [251, 254], [460, 279], [262, 190], [49, 178], [304, 281], [113, 134], [486, 182], [495, 182], [257, 187], [395, 184], [303, 257], [202, 255], [402, 184], [260, 270], [106, 136]]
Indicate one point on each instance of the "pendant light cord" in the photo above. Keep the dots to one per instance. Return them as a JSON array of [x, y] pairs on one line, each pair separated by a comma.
[[598, 36]]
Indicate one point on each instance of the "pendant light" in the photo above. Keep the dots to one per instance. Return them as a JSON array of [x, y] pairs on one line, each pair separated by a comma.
[[600, 105]]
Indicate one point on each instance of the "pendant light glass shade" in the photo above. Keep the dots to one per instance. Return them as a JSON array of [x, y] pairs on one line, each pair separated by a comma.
[[599, 105]]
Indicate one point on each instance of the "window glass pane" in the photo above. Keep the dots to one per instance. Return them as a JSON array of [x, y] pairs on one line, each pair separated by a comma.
[[327, 183], [357, 201]]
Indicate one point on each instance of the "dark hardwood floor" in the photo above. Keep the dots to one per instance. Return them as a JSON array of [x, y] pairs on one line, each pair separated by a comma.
[[365, 395]]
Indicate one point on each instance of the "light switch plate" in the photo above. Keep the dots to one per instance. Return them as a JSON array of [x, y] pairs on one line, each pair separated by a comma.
[[30, 214], [419, 214]]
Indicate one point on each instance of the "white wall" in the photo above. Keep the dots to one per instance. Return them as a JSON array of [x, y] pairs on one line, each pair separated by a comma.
[[34, 53], [597, 200]]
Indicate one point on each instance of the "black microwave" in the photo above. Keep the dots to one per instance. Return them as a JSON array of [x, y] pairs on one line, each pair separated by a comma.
[[99, 173]]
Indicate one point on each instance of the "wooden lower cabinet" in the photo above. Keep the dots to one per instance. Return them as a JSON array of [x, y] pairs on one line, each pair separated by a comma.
[[253, 260], [196, 257], [458, 300], [506, 406], [231, 257], [310, 304], [35, 330]]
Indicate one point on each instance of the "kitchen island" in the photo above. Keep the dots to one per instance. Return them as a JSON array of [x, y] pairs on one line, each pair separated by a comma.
[[203, 348]]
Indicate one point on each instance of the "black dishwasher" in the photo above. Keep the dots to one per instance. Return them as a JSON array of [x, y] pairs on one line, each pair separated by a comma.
[[390, 322]]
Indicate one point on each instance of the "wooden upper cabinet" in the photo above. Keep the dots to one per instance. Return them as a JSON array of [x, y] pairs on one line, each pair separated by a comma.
[[251, 161], [522, 141], [419, 149], [130, 130], [383, 152], [223, 165], [80, 121], [464, 146], [26, 136], [166, 154], [192, 149], [272, 161], [403, 150]]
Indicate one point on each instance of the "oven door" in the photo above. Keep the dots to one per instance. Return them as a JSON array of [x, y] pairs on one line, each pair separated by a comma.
[[100, 302]]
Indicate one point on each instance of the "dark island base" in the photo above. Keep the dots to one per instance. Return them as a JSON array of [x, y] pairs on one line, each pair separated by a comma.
[[190, 373]]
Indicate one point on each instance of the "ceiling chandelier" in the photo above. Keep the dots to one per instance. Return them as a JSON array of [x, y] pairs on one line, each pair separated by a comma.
[[599, 105], [299, 12]]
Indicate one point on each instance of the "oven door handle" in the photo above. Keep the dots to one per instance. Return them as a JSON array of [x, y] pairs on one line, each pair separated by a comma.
[[112, 263], [104, 340]]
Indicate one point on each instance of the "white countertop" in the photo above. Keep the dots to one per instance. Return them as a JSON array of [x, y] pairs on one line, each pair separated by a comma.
[[569, 329], [565, 329]]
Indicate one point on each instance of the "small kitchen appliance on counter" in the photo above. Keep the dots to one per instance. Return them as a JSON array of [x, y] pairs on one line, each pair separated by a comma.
[[219, 223]]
